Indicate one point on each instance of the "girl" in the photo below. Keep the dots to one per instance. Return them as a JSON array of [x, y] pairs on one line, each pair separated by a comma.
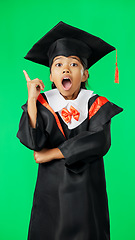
[[68, 128]]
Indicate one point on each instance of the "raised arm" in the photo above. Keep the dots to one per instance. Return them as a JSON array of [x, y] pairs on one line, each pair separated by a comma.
[[34, 88], [31, 132]]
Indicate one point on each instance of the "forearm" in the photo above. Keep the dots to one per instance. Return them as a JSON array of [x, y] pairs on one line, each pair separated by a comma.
[[32, 111], [47, 155], [57, 153], [53, 153]]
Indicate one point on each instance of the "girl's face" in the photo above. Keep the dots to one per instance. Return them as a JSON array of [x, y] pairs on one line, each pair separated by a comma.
[[67, 73]]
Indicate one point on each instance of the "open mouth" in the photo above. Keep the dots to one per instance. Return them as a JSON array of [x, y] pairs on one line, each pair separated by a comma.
[[66, 83]]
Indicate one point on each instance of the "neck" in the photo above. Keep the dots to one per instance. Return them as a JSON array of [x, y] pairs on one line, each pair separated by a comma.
[[73, 96]]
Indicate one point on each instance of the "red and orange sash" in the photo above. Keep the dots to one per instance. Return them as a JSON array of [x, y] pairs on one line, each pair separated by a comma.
[[98, 103]]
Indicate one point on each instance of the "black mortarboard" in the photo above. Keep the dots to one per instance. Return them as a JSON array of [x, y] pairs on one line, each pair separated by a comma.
[[64, 39]]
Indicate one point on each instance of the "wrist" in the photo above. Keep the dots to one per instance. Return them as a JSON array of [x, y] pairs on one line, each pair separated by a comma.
[[32, 99], [57, 154]]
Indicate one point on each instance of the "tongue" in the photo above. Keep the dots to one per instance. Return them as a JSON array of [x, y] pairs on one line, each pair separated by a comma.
[[66, 84]]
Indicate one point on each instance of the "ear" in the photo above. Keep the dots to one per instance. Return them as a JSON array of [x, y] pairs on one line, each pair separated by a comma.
[[51, 77], [85, 75]]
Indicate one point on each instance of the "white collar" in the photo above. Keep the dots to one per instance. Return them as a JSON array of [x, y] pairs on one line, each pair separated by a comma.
[[57, 102]]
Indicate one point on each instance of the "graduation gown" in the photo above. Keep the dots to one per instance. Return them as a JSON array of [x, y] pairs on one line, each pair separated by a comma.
[[70, 199]]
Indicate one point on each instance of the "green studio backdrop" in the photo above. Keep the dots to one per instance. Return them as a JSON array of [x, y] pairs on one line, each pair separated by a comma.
[[22, 24]]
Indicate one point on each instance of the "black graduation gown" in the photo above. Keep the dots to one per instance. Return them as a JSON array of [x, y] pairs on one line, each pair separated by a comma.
[[70, 199]]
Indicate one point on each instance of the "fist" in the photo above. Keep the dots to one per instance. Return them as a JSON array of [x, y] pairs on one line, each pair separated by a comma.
[[34, 86], [44, 155]]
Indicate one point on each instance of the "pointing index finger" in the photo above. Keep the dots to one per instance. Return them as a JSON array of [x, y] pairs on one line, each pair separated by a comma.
[[26, 76]]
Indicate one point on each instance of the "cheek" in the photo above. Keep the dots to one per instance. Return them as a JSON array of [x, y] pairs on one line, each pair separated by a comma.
[[55, 72], [79, 74], [82, 71]]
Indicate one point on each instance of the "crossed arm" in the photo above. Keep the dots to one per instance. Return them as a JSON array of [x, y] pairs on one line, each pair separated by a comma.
[[83, 148], [46, 155]]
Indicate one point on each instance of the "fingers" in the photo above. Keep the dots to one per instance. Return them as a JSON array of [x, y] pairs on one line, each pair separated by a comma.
[[37, 159], [39, 83], [26, 76], [35, 156]]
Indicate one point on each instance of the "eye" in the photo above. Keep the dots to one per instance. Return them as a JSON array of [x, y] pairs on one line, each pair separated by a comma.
[[74, 64], [58, 64]]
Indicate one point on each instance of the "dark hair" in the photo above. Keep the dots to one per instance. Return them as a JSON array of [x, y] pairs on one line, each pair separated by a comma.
[[83, 84]]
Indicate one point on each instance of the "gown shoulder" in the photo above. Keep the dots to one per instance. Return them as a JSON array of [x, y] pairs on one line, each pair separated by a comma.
[[101, 110]]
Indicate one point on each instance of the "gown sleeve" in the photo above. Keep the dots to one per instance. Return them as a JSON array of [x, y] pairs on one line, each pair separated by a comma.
[[91, 145], [32, 138]]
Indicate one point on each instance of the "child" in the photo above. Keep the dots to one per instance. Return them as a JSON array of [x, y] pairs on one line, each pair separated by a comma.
[[68, 128]]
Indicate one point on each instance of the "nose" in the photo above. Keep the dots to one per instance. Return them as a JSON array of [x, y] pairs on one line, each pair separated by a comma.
[[65, 71], [66, 68]]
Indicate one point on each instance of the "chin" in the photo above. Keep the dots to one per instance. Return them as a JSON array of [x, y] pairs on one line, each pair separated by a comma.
[[67, 92]]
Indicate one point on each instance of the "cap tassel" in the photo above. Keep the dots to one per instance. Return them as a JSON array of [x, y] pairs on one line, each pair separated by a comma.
[[116, 71]]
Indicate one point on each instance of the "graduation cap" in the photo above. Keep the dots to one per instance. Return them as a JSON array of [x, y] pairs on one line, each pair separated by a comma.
[[64, 39]]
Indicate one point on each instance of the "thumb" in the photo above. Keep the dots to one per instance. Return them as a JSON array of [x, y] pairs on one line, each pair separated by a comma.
[[26, 76]]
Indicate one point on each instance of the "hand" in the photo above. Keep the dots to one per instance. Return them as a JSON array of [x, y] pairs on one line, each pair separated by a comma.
[[47, 155], [34, 86]]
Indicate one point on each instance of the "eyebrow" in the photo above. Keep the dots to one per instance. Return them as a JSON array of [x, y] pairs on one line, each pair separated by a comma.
[[70, 57]]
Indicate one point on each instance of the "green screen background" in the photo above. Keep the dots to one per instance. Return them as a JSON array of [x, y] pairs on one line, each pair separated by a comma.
[[22, 24]]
